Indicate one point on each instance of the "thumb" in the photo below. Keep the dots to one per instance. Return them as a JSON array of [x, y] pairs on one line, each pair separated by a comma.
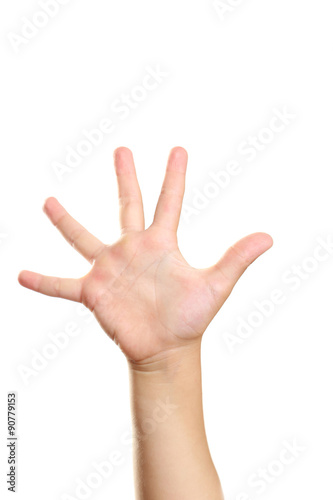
[[227, 271]]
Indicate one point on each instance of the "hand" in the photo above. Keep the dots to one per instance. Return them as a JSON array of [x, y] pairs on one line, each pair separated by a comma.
[[144, 294]]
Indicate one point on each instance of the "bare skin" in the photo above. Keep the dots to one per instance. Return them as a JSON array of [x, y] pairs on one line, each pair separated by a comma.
[[156, 307]]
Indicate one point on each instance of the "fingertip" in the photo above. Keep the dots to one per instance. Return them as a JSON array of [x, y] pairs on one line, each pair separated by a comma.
[[19, 277], [254, 244], [23, 278], [123, 160], [121, 152], [179, 151], [178, 158], [29, 279], [49, 204], [271, 241], [267, 240]]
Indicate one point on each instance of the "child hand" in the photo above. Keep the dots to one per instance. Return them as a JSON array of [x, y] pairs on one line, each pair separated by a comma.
[[144, 294]]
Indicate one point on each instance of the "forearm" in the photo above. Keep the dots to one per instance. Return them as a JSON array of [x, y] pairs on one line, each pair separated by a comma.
[[171, 454]]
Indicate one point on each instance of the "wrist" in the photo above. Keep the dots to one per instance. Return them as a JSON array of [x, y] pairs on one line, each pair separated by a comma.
[[175, 377], [168, 363]]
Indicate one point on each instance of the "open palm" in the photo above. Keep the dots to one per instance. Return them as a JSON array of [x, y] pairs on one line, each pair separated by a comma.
[[144, 294]]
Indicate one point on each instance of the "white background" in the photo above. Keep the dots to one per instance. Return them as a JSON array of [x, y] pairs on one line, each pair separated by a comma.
[[226, 74]]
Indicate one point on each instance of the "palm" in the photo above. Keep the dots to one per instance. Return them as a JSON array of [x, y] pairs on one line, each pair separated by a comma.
[[144, 294], [149, 299]]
